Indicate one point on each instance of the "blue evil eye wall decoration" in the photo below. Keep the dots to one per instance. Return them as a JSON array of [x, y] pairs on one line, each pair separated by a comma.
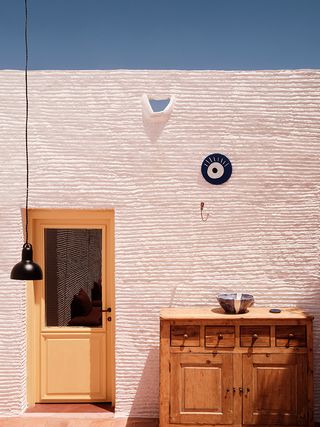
[[216, 169]]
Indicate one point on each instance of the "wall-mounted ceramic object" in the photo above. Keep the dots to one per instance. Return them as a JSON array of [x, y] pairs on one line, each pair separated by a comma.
[[216, 168]]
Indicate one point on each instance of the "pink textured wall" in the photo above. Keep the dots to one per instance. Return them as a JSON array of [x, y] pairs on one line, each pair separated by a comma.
[[91, 147]]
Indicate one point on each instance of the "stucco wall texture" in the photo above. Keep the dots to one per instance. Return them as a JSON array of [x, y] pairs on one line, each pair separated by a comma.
[[92, 147]]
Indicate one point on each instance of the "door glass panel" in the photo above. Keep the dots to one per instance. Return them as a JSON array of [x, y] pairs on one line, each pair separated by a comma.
[[73, 294]]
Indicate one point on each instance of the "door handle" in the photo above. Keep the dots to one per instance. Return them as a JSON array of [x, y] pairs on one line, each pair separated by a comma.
[[290, 337], [106, 310], [244, 390], [254, 337]]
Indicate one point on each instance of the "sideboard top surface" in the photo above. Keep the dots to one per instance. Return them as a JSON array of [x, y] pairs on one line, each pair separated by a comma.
[[210, 313]]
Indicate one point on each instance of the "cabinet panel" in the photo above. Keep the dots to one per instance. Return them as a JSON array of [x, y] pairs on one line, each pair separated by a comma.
[[73, 366], [274, 389], [201, 389]]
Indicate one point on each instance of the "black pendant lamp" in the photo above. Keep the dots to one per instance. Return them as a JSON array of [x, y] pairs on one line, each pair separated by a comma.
[[26, 269]]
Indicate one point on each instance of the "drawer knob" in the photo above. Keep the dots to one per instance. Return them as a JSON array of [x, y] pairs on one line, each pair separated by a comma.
[[290, 337], [220, 337], [255, 337], [185, 336]]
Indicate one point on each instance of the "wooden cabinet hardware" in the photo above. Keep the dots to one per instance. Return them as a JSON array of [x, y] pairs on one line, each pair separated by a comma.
[[244, 390], [290, 337]]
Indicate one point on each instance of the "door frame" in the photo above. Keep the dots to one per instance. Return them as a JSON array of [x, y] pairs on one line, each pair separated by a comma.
[[104, 217]]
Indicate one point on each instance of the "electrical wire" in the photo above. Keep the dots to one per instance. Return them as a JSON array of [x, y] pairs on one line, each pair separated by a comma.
[[26, 113]]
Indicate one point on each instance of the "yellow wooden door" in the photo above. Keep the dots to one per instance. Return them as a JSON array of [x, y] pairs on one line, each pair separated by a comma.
[[201, 389], [74, 310], [275, 389]]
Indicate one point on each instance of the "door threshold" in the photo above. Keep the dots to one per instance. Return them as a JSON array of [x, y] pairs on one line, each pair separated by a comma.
[[91, 408]]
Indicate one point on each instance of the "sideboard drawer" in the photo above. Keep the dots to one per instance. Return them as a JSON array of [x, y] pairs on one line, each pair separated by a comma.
[[255, 336], [219, 336], [291, 336], [185, 335]]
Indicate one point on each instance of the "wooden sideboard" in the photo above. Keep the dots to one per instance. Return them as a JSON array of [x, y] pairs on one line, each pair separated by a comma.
[[241, 370]]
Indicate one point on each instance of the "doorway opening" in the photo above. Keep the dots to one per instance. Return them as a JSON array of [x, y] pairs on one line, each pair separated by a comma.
[[71, 314]]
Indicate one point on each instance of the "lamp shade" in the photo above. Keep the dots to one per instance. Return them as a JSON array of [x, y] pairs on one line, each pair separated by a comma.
[[26, 269]]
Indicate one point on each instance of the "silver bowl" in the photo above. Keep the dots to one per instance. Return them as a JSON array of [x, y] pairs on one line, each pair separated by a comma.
[[235, 303]]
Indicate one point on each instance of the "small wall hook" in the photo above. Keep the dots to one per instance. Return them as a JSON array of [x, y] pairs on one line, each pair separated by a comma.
[[203, 217]]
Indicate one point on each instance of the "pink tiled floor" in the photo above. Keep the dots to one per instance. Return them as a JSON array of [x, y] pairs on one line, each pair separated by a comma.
[[85, 420], [74, 415]]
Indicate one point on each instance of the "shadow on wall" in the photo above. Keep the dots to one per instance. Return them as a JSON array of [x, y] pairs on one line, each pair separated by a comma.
[[153, 128], [148, 386]]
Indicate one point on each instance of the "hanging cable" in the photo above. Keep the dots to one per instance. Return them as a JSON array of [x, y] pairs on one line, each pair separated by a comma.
[[26, 269], [27, 113]]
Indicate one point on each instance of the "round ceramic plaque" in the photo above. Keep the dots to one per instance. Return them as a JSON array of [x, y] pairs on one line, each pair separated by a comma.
[[216, 168]]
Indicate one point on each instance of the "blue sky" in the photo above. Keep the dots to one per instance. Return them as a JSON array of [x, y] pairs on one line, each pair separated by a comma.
[[162, 34]]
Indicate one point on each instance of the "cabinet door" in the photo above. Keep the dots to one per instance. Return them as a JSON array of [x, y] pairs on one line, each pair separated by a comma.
[[275, 389], [201, 388]]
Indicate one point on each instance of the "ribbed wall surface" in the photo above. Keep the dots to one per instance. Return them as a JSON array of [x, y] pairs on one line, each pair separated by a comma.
[[91, 148]]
